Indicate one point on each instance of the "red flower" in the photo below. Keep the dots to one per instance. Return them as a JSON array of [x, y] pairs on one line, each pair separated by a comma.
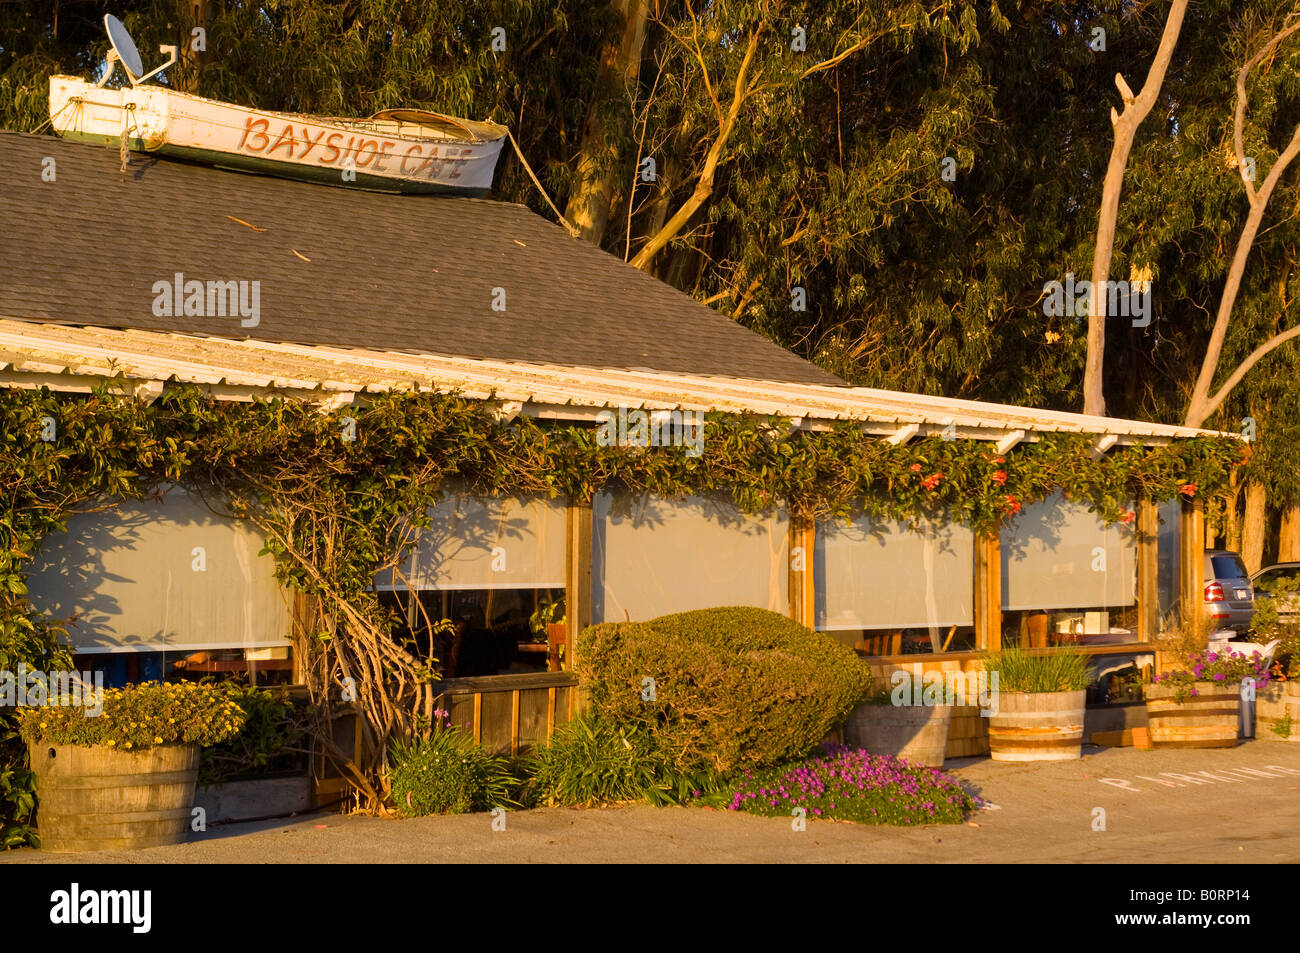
[[916, 468], [1128, 518], [999, 459], [1188, 490], [932, 481], [1000, 477], [1012, 504]]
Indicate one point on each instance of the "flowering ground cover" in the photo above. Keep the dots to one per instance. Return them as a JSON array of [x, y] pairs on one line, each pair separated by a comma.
[[850, 784]]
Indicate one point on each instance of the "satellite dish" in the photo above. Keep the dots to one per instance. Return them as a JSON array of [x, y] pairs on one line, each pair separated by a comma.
[[124, 47]]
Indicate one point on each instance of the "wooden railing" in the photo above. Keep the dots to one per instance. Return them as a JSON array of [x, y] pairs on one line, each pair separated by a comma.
[[508, 714]]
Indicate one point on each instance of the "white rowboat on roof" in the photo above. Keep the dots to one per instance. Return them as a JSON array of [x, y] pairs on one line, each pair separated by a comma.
[[397, 150]]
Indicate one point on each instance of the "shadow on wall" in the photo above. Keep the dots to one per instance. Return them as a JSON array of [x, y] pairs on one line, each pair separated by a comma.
[[165, 573]]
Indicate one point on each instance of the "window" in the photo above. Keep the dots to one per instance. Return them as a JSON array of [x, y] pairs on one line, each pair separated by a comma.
[[473, 596], [165, 575], [1067, 577], [887, 588], [654, 556]]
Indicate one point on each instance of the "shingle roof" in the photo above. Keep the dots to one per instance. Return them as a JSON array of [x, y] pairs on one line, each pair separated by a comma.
[[344, 268]]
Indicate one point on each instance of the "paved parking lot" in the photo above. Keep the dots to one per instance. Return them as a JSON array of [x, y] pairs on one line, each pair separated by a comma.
[[1115, 805]]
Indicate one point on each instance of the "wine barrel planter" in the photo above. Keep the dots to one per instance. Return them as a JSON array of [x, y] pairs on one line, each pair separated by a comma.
[[1277, 712], [918, 733], [97, 798], [1208, 719], [1037, 726]]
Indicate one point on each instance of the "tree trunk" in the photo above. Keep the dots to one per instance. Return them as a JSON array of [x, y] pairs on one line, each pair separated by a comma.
[[1288, 541], [1126, 127], [1234, 514], [1253, 526], [588, 206]]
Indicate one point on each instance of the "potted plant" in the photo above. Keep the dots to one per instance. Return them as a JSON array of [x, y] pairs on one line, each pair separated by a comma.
[[901, 722], [1039, 701], [120, 774], [1198, 703], [548, 625], [1277, 617]]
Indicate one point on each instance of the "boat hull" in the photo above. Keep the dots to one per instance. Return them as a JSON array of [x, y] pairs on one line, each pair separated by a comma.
[[332, 152]]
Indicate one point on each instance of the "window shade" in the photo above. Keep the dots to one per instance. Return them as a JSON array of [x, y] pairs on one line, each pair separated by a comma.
[[131, 575], [883, 575], [486, 543], [653, 557], [1052, 558]]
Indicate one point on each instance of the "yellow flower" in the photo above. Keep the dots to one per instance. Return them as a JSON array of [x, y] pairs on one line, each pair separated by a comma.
[[111, 742], [157, 740]]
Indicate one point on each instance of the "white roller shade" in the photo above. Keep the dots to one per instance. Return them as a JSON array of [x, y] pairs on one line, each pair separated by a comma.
[[653, 557], [487, 543], [883, 575], [165, 575], [1057, 555]]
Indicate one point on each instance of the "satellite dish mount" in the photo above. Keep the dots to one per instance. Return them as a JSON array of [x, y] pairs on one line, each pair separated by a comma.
[[123, 50]]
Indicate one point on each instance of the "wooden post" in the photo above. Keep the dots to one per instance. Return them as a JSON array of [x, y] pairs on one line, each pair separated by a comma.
[[988, 590], [1191, 559], [803, 592], [577, 573], [1148, 532]]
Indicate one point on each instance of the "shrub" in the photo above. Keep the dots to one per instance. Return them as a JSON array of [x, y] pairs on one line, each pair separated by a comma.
[[26, 638], [732, 686], [850, 784], [270, 741], [592, 761], [1058, 671], [1269, 623], [139, 716], [447, 773]]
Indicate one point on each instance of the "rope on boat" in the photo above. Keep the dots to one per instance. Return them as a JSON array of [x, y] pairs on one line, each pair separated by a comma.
[[529, 169], [50, 122]]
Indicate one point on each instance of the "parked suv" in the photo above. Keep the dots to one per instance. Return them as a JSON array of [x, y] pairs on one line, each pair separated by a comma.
[[1229, 593], [1288, 609]]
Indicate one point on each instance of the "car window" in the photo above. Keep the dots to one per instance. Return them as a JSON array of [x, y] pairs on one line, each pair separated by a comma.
[[1273, 575], [1228, 566]]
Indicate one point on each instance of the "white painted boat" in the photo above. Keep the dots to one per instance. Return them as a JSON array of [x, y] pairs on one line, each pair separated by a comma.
[[397, 150]]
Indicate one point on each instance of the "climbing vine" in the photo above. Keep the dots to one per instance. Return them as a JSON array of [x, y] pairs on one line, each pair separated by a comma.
[[341, 496]]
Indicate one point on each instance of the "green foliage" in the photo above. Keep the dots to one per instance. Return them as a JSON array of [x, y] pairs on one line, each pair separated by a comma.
[[592, 761], [1057, 671], [271, 740], [1269, 623], [1282, 727], [732, 686], [138, 716], [447, 773]]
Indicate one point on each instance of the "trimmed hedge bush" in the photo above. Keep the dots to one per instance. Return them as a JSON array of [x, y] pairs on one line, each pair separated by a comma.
[[732, 686]]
